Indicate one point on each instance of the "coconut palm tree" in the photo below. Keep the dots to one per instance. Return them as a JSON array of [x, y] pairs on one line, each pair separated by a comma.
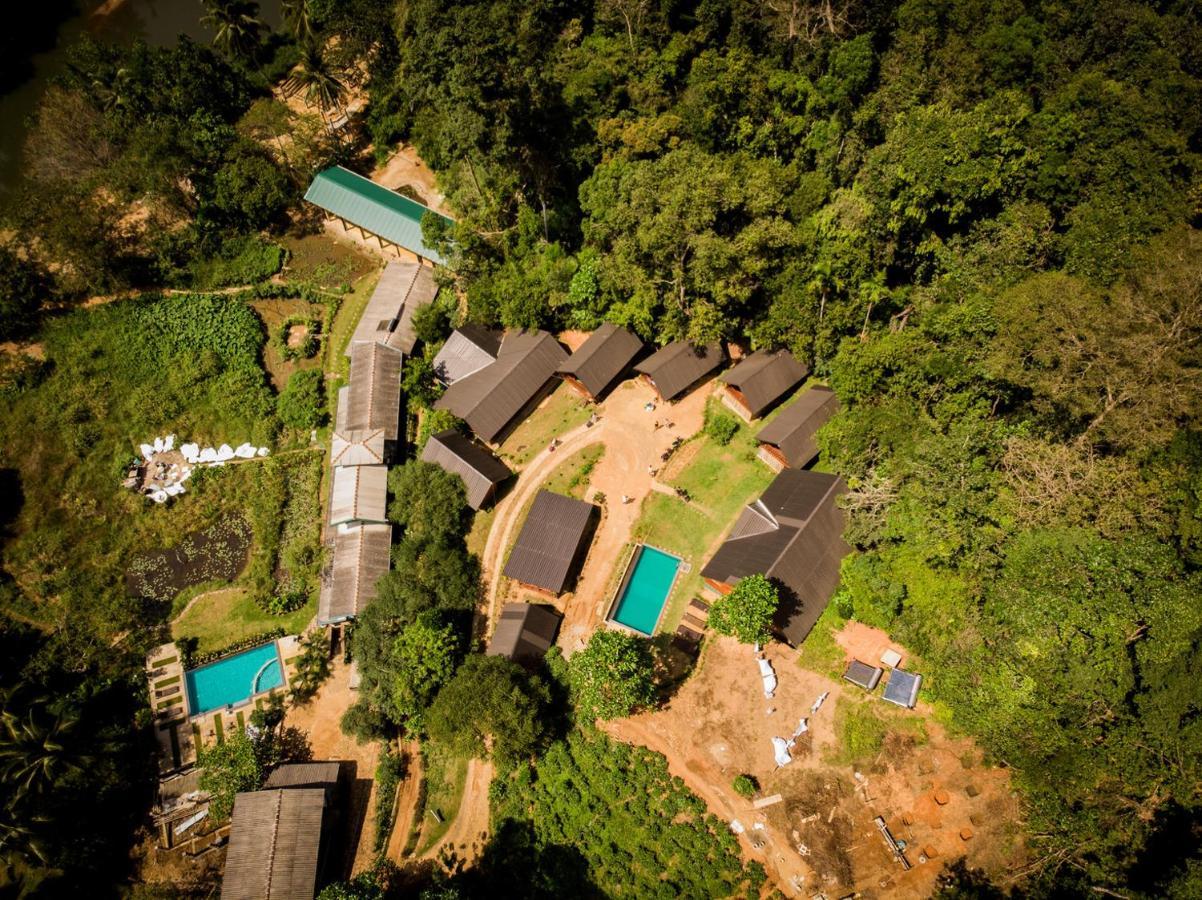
[[235, 25], [321, 84], [296, 18], [35, 747]]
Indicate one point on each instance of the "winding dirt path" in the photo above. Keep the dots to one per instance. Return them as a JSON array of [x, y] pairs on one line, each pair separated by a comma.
[[406, 803], [468, 831]]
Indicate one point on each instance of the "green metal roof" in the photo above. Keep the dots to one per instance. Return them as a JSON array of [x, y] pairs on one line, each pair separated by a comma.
[[373, 208]]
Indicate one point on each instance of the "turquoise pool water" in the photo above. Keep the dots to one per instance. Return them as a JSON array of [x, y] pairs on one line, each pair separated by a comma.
[[646, 590], [233, 679]]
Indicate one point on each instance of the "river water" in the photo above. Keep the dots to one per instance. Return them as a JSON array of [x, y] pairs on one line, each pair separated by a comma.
[[157, 22]]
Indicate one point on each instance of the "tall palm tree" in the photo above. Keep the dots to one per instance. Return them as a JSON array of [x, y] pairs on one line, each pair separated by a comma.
[[296, 18], [235, 25], [321, 84], [35, 747]]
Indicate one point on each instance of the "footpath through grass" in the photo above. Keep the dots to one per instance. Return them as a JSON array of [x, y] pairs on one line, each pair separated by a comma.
[[559, 414]]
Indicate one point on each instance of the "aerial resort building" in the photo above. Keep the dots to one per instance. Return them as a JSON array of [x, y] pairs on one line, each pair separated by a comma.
[[357, 202], [788, 440], [362, 553], [403, 289], [373, 397], [761, 381], [359, 495], [793, 535], [468, 350], [460, 455], [601, 361], [281, 837], [552, 543], [676, 367], [524, 632], [497, 396]]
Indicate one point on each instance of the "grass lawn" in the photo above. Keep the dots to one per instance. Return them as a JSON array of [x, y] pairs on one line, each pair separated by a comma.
[[862, 724], [222, 617], [349, 311], [559, 413], [477, 537], [820, 652], [445, 777], [721, 481]]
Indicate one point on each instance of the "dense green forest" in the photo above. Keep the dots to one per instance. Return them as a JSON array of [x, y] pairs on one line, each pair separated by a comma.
[[978, 221]]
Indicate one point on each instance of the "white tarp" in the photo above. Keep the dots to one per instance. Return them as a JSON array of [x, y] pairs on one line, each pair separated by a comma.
[[818, 703], [169, 442], [780, 749], [262, 451], [224, 452], [244, 451], [174, 489], [802, 727], [208, 454], [159, 496], [185, 474], [147, 450], [158, 445], [190, 451], [769, 677]]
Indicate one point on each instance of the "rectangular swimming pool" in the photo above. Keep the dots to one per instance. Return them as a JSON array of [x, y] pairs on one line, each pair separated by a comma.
[[234, 680], [645, 589]]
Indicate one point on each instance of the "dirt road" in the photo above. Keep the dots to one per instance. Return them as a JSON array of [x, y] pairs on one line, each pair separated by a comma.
[[468, 831], [406, 803]]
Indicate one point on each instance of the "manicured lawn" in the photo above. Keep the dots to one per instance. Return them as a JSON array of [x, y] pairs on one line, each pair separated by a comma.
[[349, 310], [560, 413], [445, 776], [222, 617], [720, 481]]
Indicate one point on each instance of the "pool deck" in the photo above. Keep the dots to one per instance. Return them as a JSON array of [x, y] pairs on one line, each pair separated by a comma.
[[631, 564], [181, 735]]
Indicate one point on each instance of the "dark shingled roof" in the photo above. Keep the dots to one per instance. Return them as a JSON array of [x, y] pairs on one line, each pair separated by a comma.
[[275, 841], [793, 535], [792, 432], [373, 401], [602, 358], [460, 455], [489, 399], [550, 541], [469, 349], [403, 288], [862, 674], [902, 688], [764, 377], [679, 364], [524, 632]]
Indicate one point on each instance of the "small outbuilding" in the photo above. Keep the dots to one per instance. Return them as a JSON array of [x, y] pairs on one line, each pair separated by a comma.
[[524, 632], [902, 688], [403, 288], [354, 448], [601, 361], [460, 455], [552, 543], [677, 366], [468, 350], [373, 397], [862, 675], [788, 440], [761, 381], [493, 399]]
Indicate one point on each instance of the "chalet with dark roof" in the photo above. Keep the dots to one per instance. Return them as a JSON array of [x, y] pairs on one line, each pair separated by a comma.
[[458, 454], [552, 543], [676, 367], [793, 535], [601, 361], [788, 440], [761, 381], [468, 350], [524, 632], [497, 396]]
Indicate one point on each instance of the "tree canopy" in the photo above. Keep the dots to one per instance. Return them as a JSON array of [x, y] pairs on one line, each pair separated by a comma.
[[612, 676], [746, 612]]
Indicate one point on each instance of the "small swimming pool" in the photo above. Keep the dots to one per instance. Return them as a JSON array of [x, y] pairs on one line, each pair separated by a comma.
[[234, 679], [645, 589]]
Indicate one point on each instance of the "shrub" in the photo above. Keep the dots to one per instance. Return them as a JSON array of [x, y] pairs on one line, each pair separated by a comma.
[[363, 722], [227, 769], [245, 259], [720, 426], [391, 768], [745, 786], [307, 348], [301, 404]]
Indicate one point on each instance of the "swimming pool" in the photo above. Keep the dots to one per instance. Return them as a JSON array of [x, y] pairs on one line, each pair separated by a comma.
[[645, 589], [234, 679]]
